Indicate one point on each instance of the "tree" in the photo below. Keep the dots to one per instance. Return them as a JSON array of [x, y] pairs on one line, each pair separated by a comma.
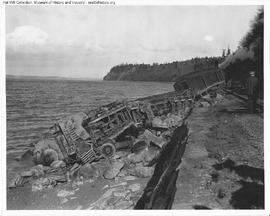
[[252, 42]]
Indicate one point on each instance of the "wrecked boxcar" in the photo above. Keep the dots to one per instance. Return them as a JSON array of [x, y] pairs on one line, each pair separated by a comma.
[[200, 82]]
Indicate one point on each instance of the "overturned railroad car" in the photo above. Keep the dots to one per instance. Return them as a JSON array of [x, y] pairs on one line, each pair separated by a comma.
[[87, 136], [200, 82]]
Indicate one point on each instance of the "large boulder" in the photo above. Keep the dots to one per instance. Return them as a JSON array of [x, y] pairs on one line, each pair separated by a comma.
[[89, 171], [204, 104], [173, 120], [167, 122], [158, 122], [65, 193], [145, 156], [135, 158], [141, 171], [46, 151], [113, 170], [150, 154], [151, 138], [138, 146]]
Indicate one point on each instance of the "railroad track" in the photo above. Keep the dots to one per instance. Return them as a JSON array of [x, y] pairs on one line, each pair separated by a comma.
[[244, 97]]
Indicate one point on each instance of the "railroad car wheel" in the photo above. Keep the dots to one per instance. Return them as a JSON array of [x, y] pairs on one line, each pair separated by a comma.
[[108, 149]]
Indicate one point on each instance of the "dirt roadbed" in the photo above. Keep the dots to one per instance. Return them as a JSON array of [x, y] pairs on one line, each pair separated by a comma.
[[223, 165]]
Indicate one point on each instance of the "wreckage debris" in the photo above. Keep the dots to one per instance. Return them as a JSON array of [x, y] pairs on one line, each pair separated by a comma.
[[43, 183], [118, 196], [134, 187], [65, 193], [210, 99], [167, 122], [122, 195], [26, 173], [18, 181], [135, 136], [141, 171], [123, 205], [58, 164], [129, 178]]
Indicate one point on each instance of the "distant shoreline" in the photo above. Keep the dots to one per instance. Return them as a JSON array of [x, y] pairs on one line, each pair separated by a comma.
[[49, 78], [56, 78]]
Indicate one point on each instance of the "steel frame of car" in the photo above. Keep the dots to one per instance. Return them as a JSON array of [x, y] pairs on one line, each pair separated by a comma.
[[111, 122]]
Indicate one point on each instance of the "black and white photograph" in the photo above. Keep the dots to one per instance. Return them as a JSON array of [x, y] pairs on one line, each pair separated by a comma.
[[134, 107]]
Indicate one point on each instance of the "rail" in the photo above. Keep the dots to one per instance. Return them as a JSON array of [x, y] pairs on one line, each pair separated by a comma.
[[243, 97]]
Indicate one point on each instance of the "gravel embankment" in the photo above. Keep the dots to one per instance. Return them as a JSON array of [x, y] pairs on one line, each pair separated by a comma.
[[223, 163]]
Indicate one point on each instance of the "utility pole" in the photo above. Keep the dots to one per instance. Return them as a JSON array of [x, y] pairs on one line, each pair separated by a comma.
[[223, 53]]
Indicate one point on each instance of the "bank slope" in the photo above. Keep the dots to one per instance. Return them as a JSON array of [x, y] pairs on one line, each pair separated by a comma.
[[167, 72]]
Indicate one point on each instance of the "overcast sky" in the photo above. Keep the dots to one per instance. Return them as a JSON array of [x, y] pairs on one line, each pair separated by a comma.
[[74, 41]]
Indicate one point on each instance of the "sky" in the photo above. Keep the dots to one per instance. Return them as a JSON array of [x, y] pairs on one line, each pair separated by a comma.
[[86, 41]]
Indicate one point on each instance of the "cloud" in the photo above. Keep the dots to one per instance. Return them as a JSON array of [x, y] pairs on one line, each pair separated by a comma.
[[27, 35], [208, 38], [94, 39], [29, 39]]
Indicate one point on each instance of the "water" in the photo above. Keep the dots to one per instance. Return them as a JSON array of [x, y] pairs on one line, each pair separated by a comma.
[[34, 105]]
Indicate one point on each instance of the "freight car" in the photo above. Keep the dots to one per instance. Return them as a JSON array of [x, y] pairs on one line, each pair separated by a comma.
[[200, 82]]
